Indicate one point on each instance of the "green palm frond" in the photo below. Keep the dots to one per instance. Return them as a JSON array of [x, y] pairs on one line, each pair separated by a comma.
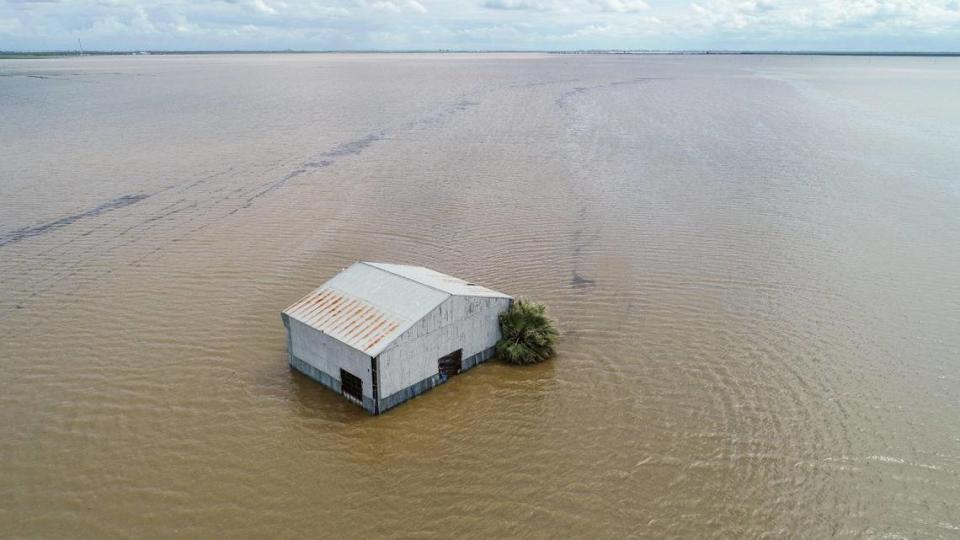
[[529, 334]]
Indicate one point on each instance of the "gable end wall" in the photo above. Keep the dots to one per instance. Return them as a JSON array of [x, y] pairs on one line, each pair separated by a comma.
[[461, 322]]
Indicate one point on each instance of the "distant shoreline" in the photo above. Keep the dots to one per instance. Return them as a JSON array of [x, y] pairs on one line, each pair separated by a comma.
[[62, 54]]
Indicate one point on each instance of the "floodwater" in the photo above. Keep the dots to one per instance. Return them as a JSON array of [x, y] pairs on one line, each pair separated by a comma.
[[755, 263]]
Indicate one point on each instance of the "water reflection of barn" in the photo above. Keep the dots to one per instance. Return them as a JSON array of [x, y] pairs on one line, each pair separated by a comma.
[[381, 334]]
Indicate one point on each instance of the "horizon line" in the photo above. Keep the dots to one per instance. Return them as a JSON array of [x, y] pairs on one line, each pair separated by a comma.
[[798, 52]]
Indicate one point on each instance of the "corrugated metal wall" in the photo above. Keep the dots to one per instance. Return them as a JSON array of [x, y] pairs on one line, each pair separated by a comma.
[[468, 323], [329, 355]]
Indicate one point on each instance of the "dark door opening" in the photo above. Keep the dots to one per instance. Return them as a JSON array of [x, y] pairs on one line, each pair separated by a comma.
[[351, 386], [451, 364]]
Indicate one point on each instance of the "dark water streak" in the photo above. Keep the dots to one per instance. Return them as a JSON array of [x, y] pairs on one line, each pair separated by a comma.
[[24, 233]]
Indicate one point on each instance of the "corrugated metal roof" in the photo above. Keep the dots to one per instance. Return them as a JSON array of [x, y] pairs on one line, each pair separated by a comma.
[[436, 280], [369, 305], [348, 319]]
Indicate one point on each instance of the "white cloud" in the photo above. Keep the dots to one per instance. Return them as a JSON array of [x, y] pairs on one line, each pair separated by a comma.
[[589, 30], [480, 24], [261, 6], [855, 17], [621, 6], [520, 5], [568, 6], [395, 6]]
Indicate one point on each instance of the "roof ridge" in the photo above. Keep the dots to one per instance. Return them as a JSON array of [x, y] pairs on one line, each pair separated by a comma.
[[408, 278]]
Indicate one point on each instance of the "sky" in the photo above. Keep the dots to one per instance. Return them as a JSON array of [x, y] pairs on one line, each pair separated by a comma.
[[851, 25]]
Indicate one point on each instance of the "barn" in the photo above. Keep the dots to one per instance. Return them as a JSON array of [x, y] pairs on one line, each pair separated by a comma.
[[380, 334]]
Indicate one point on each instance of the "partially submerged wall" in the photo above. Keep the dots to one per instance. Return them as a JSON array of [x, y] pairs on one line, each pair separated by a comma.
[[321, 357], [409, 366]]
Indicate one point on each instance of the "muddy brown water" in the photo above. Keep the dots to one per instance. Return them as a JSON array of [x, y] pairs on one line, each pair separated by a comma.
[[755, 262]]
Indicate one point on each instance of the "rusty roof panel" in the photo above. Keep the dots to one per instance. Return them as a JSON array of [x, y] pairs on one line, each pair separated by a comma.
[[351, 320]]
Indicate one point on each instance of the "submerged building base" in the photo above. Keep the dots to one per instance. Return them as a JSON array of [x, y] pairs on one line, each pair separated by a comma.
[[382, 405], [327, 380]]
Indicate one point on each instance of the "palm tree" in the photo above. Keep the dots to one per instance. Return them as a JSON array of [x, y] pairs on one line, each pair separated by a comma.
[[528, 333]]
